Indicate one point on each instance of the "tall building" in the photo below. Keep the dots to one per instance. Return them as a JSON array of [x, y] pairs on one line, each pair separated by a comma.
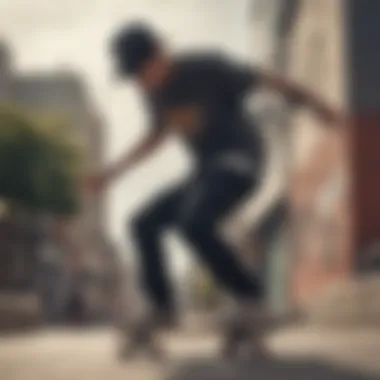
[[329, 48], [60, 93], [319, 164]]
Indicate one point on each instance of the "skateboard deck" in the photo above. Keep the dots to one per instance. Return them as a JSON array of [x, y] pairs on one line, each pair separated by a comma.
[[140, 341], [239, 341]]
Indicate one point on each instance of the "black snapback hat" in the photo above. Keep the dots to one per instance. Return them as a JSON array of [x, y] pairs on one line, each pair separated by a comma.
[[132, 46]]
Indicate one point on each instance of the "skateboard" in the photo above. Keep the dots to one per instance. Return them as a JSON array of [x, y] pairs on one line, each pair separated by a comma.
[[140, 340], [239, 341]]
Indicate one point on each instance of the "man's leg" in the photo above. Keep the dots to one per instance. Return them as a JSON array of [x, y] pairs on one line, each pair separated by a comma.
[[220, 192], [147, 229]]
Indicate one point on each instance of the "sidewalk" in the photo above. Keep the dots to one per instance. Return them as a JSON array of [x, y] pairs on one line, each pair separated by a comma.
[[358, 349], [298, 353]]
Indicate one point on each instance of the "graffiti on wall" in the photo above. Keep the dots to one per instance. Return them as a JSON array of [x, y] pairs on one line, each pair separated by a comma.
[[319, 225]]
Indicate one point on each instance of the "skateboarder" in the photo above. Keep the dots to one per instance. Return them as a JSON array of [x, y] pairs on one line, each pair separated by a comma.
[[199, 97]]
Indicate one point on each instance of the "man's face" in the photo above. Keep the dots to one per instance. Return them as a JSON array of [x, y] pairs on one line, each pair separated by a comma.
[[155, 71]]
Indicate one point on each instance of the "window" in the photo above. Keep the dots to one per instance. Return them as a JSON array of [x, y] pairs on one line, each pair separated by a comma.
[[314, 60]]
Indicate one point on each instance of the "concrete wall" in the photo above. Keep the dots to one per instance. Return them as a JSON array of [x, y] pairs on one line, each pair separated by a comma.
[[270, 251], [270, 116]]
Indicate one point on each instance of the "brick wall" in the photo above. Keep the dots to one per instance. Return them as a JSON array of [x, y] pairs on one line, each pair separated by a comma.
[[366, 180], [321, 217]]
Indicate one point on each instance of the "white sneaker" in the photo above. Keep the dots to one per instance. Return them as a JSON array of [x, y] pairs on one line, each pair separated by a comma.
[[141, 334], [243, 328]]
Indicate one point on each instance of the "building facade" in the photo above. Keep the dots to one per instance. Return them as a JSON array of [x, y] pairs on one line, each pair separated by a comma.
[[334, 214], [319, 163], [268, 214]]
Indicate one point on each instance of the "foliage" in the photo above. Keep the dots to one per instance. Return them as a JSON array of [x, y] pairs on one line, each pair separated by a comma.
[[40, 164], [203, 289]]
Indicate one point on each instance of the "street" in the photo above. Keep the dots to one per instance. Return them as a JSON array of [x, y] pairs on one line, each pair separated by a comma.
[[89, 354]]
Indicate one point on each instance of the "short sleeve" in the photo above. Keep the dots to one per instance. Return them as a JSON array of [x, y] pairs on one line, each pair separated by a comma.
[[237, 78]]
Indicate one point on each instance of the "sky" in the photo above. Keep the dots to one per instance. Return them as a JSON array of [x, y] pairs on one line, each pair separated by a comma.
[[50, 34]]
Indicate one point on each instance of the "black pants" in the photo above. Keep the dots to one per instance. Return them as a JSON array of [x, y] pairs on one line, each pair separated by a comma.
[[196, 209]]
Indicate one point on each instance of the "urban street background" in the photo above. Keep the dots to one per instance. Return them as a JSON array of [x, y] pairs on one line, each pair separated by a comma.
[[67, 264]]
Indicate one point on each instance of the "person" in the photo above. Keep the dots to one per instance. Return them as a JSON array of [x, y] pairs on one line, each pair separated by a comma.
[[199, 97]]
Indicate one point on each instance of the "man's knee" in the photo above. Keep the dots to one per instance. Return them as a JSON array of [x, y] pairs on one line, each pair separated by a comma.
[[142, 224], [197, 226]]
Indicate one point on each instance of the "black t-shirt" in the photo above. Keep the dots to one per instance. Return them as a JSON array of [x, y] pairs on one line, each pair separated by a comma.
[[218, 87]]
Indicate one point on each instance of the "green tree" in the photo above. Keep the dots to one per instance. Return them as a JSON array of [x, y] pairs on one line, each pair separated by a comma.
[[40, 164], [203, 289]]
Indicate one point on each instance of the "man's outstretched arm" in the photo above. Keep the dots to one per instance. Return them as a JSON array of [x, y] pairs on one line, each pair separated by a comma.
[[128, 161], [298, 95], [242, 79]]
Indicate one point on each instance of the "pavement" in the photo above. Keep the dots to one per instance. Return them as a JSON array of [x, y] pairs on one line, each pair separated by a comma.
[[298, 353]]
